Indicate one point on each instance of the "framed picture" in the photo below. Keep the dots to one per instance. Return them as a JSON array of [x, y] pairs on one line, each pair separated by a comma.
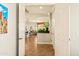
[[43, 27], [3, 18]]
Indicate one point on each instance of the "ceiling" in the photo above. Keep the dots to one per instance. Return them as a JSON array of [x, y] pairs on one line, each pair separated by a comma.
[[39, 9], [38, 13]]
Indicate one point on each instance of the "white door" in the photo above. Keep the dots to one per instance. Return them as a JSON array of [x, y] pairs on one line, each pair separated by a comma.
[[61, 17], [74, 29], [21, 30]]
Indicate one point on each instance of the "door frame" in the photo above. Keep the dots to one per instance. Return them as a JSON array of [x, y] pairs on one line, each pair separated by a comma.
[[17, 29]]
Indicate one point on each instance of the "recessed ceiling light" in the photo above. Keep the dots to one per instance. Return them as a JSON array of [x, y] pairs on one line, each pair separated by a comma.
[[41, 7]]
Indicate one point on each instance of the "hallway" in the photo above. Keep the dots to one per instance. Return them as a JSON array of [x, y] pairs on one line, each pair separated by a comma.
[[34, 49]]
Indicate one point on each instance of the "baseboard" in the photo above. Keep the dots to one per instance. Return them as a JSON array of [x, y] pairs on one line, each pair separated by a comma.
[[44, 42]]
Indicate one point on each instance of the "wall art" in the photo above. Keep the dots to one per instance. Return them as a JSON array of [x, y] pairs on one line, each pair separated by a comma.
[[3, 19]]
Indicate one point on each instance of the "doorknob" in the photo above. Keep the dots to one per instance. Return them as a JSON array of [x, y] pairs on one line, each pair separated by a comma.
[[20, 38], [69, 38]]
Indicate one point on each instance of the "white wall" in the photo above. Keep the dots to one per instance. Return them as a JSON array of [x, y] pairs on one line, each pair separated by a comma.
[[61, 17], [8, 41], [44, 38], [74, 29]]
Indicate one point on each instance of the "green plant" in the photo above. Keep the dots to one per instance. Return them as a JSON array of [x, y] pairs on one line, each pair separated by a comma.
[[43, 31], [45, 28]]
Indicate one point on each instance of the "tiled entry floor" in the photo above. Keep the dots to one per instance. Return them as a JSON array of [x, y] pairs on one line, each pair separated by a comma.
[[34, 49]]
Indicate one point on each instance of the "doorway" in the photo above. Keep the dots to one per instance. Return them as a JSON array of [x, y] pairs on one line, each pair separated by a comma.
[[38, 30], [37, 26]]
